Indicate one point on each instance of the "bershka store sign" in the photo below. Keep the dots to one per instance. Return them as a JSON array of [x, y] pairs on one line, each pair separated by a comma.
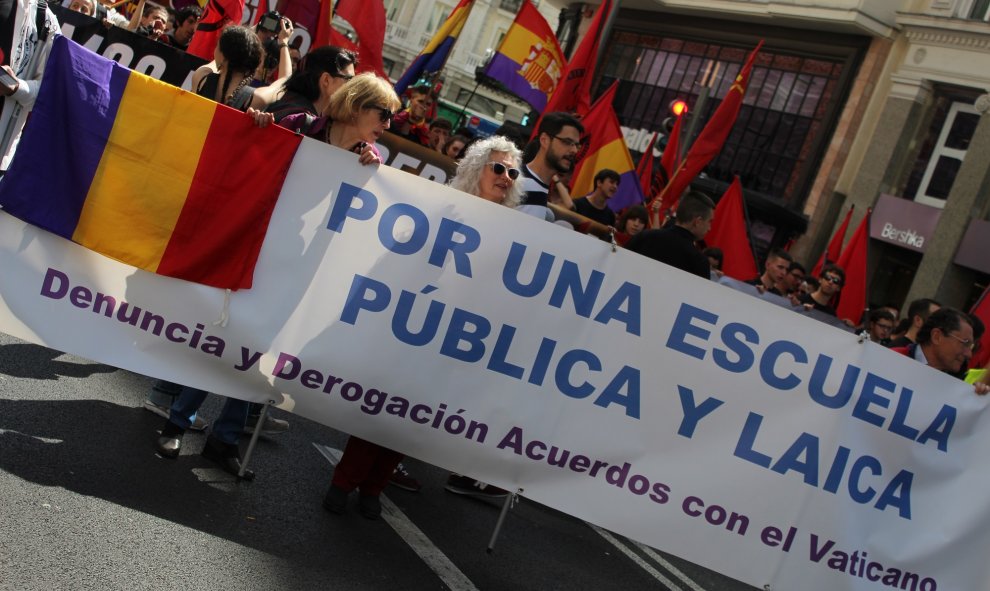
[[903, 222]]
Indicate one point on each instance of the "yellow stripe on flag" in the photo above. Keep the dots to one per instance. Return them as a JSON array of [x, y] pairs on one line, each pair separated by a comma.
[[144, 175], [612, 155]]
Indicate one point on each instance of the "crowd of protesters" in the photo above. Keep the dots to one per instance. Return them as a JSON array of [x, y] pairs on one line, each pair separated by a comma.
[[319, 95]]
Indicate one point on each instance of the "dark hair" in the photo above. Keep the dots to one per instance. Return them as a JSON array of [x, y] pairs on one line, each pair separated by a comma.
[[456, 138], [606, 173], [880, 314], [441, 123], [920, 308], [635, 212], [813, 283], [780, 253], [242, 48], [978, 327], [796, 266], [694, 204], [552, 123], [422, 89], [944, 319], [835, 269], [328, 59], [183, 14], [714, 252]]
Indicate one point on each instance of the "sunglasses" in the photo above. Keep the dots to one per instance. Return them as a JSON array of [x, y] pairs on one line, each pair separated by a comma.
[[833, 280], [344, 77], [384, 114], [499, 169]]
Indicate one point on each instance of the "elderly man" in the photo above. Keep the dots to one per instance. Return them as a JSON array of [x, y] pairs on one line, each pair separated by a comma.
[[946, 343]]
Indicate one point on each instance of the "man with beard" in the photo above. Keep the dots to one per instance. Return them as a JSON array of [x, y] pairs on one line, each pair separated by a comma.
[[559, 140]]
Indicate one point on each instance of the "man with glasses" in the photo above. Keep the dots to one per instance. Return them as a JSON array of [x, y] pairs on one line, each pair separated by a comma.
[[881, 324], [945, 342], [559, 140], [830, 284]]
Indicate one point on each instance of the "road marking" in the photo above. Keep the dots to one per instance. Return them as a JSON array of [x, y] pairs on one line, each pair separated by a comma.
[[417, 540], [647, 566]]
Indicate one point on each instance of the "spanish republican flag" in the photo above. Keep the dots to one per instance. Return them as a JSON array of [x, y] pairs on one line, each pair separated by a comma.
[[433, 57], [146, 173], [528, 61], [606, 149]]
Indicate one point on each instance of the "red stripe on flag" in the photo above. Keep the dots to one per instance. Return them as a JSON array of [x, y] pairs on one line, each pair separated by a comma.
[[218, 235]]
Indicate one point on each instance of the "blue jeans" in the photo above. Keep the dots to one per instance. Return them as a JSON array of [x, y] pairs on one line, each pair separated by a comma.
[[228, 426], [160, 396]]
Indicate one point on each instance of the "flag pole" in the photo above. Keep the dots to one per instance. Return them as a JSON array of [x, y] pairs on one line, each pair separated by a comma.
[[462, 115]]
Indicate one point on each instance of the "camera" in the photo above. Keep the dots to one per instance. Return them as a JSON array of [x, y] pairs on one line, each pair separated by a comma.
[[271, 21]]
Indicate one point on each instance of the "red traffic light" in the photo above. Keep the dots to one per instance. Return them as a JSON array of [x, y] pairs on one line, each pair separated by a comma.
[[678, 107]]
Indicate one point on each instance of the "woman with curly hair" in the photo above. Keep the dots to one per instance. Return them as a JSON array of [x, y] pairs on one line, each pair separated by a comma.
[[489, 169]]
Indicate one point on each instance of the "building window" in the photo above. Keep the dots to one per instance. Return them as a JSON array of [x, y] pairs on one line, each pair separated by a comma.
[[980, 10], [392, 8], [437, 17], [954, 121], [774, 141], [510, 5]]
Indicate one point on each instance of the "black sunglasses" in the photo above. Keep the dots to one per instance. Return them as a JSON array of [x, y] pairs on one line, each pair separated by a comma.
[[833, 280], [383, 113], [499, 169], [344, 77]]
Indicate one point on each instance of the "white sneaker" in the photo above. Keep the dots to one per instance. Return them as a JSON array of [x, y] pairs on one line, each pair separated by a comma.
[[198, 423]]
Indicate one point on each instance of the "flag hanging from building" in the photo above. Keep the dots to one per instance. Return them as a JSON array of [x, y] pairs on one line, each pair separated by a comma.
[[529, 61], [730, 233], [148, 174], [644, 169], [834, 249], [852, 299], [712, 137], [606, 148], [433, 57]]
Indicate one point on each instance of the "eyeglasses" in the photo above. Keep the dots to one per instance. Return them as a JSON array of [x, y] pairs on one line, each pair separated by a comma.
[[344, 77], [833, 280], [499, 169], [568, 142], [968, 343], [384, 114]]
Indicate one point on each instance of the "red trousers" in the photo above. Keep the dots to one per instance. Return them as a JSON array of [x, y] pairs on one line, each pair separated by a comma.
[[365, 466]]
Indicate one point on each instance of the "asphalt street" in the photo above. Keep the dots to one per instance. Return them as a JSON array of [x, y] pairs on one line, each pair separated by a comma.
[[85, 503]]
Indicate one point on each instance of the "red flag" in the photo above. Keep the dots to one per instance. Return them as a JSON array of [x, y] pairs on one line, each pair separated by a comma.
[[644, 170], [671, 153], [834, 249], [711, 138], [729, 233], [573, 92], [852, 300], [324, 24], [368, 19], [217, 15], [982, 311]]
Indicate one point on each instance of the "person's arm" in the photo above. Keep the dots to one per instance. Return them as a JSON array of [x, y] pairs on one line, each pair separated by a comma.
[[202, 72], [562, 195], [136, 17]]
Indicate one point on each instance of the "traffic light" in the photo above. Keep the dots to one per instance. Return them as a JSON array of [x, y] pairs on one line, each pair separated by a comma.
[[678, 107]]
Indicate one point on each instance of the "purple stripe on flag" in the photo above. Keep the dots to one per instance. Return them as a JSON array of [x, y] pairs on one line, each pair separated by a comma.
[[629, 192], [506, 71], [61, 147]]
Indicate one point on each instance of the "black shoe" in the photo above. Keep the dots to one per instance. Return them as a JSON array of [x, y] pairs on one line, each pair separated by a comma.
[[467, 486], [370, 507], [227, 456], [170, 441], [336, 500]]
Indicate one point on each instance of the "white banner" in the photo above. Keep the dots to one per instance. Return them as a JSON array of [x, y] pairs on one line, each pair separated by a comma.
[[715, 426]]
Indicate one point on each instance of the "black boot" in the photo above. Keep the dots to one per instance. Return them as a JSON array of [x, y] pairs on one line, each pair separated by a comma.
[[227, 455], [170, 441]]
